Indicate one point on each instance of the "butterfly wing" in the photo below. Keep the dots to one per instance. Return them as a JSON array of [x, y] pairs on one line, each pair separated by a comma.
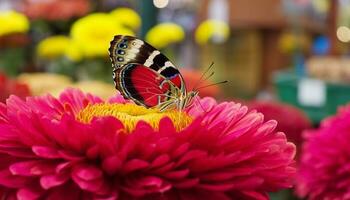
[[140, 69], [142, 85], [128, 49]]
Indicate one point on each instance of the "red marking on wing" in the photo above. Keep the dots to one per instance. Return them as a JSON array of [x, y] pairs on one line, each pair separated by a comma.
[[146, 82], [176, 80]]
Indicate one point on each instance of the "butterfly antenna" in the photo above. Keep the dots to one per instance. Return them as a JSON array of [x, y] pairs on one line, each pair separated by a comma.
[[200, 104], [203, 74], [218, 83], [208, 77]]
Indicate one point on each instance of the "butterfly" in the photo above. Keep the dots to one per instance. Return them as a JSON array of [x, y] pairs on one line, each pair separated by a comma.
[[144, 75]]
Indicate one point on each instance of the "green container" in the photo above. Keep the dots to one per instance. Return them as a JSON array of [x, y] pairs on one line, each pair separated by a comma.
[[287, 85]]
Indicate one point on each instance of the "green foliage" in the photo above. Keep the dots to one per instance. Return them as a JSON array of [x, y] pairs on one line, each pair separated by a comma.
[[12, 60]]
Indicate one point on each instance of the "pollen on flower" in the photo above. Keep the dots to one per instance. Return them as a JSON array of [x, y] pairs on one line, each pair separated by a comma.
[[130, 114]]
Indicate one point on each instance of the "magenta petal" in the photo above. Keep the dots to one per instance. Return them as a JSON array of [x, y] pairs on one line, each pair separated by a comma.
[[186, 183], [15, 150], [29, 193], [164, 168], [111, 164], [69, 155], [147, 185], [63, 167], [93, 152], [134, 165], [227, 174], [45, 152], [183, 148], [8, 133], [150, 181], [77, 99], [7, 179], [166, 125], [118, 99], [179, 174], [267, 127], [69, 191], [114, 196], [87, 172], [207, 195], [106, 198], [92, 186], [50, 181], [256, 195], [160, 160], [219, 187], [3, 112], [136, 192], [191, 155], [30, 168]]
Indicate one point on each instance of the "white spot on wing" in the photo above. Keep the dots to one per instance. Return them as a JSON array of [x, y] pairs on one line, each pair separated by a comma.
[[134, 50], [137, 43], [149, 60], [166, 65], [132, 53]]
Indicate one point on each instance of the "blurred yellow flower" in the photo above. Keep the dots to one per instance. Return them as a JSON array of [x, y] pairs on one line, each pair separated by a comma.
[[212, 30], [94, 32], [53, 47], [57, 46], [289, 42], [165, 34], [43, 83], [13, 22], [73, 51], [321, 6], [127, 17]]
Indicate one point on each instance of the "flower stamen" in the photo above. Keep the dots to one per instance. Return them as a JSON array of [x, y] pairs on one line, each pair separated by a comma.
[[131, 114]]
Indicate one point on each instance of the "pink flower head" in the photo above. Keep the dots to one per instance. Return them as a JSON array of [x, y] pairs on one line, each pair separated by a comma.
[[325, 163], [80, 147]]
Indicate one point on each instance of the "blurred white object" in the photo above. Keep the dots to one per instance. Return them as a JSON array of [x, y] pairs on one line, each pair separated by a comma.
[[218, 10], [343, 34], [312, 92], [160, 3], [6, 5]]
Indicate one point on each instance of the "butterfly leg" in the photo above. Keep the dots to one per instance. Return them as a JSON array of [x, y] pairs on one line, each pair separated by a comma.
[[165, 105]]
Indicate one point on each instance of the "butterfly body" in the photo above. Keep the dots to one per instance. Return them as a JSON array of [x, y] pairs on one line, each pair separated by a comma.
[[143, 74]]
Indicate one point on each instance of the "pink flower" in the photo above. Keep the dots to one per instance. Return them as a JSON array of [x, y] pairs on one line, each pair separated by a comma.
[[325, 163], [80, 147]]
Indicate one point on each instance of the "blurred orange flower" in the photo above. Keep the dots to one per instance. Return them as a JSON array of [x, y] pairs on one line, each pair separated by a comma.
[[192, 77], [9, 87], [55, 9]]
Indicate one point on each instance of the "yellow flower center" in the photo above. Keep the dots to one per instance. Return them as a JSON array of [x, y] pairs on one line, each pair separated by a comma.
[[130, 114]]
